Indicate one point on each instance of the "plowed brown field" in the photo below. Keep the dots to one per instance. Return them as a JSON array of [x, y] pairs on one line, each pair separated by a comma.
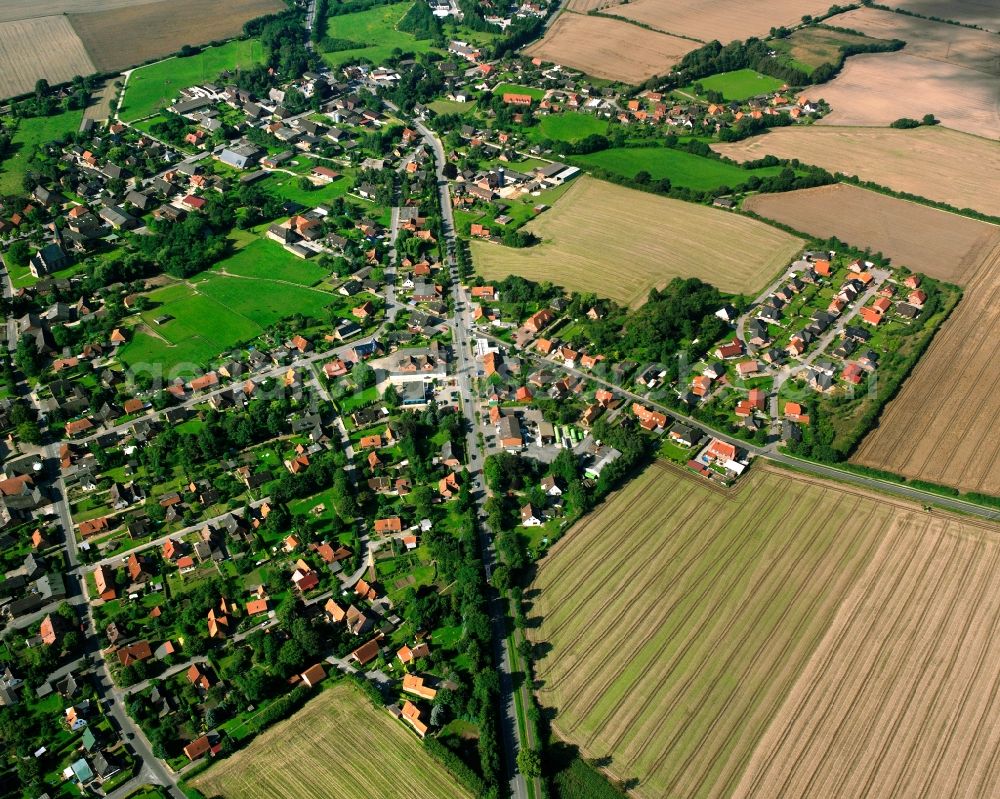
[[901, 697], [122, 37], [609, 48], [791, 638], [972, 12], [942, 426], [932, 162], [937, 243], [724, 20]]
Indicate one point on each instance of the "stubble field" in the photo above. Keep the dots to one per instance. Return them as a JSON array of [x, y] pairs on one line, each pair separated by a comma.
[[939, 244], [935, 41], [41, 47], [337, 747], [972, 12], [724, 20], [26, 9], [932, 162], [942, 426], [121, 37], [620, 243], [689, 628], [608, 48]]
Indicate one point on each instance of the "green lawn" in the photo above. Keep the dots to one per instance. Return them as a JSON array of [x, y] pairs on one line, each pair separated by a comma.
[[683, 168], [213, 313], [739, 85], [375, 31], [450, 107], [29, 134], [287, 187], [153, 87], [263, 258], [569, 126], [517, 88]]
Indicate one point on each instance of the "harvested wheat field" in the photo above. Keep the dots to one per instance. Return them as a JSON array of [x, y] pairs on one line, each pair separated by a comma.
[[26, 9], [124, 37], [901, 697], [938, 243], [620, 243], [937, 41], [684, 622], [942, 425], [42, 47], [691, 630], [878, 88], [337, 747], [971, 12], [724, 20], [608, 48], [933, 162]]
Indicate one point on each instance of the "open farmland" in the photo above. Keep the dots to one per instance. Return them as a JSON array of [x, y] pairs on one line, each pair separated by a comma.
[[42, 47], [813, 46], [698, 612], [942, 425], [121, 37], [877, 88], [26, 9], [937, 243], [724, 20], [337, 747], [153, 86], [900, 697], [932, 162], [935, 41], [608, 48], [706, 619], [620, 243], [374, 31], [972, 12]]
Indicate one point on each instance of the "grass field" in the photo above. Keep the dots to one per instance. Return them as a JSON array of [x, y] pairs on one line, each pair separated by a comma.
[[932, 162], [155, 86], [450, 106], [515, 88], [689, 626], [682, 168], [739, 85], [811, 47], [568, 126], [337, 747], [211, 314], [287, 187], [29, 134], [375, 30], [937, 243], [950, 436], [263, 258], [620, 243]]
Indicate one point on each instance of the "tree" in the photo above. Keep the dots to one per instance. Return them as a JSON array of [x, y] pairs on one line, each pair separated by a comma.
[[501, 578], [450, 170], [529, 763], [363, 375], [18, 253], [391, 397]]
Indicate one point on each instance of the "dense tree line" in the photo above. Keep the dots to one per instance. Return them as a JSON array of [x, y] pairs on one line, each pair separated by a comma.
[[421, 22]]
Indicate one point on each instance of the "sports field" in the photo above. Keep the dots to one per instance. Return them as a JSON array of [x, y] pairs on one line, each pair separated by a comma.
[[739, 84], [29, 134], [212, 313], [681, 167], [568, 126], [689, 628], [152, 87], [620, 243], [932, 162], [337, 747]]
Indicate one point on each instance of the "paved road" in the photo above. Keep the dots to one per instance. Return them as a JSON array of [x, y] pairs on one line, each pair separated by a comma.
[[464, 369]]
